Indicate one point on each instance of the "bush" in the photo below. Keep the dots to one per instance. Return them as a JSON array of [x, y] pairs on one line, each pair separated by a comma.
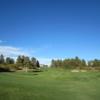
[[3, 68], [7, 67]]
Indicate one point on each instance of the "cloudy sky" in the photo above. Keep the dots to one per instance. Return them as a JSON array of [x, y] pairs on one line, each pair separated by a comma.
[[48, 29]]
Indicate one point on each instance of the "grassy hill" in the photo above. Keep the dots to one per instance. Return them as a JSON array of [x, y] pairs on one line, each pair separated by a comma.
[[50, 85]]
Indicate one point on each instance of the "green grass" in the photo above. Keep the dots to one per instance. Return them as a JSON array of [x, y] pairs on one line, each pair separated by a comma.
[[50, 85]]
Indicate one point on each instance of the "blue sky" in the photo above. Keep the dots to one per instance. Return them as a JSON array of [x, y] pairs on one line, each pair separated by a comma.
[[50, 28]]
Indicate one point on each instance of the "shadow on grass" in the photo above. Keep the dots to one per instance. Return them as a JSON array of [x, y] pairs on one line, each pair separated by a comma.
[[36, 71]]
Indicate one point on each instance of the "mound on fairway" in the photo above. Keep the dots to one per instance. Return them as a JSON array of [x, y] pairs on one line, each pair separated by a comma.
[[50, 85]]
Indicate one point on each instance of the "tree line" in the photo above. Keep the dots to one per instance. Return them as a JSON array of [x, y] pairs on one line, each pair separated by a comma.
[[73, 63], [20, 63], [25, 62]]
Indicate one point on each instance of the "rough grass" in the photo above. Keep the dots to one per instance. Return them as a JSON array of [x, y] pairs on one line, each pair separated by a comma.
[[50, 85]]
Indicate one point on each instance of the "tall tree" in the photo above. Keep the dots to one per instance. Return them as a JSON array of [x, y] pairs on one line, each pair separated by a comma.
[[37, 64], [84, 63], [12, 61], [33, 62], [9, 60], [96, 63], [53, 63], [26, 63], [69, 63], [20, 61], [2, 60]]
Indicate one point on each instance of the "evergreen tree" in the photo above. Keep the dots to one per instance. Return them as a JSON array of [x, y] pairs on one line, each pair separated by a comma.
[[33, 62], [9, 60], [37, 64], [26, 63], [2, 60]]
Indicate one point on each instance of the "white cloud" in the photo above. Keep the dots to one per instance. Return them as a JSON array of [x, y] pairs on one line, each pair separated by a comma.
[[12, 51]]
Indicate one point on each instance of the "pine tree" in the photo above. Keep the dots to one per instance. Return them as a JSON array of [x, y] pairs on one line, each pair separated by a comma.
[[2, 60], [37, 64]]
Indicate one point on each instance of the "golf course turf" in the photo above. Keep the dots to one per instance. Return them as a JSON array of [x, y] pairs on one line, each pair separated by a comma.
[[51, 84]]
